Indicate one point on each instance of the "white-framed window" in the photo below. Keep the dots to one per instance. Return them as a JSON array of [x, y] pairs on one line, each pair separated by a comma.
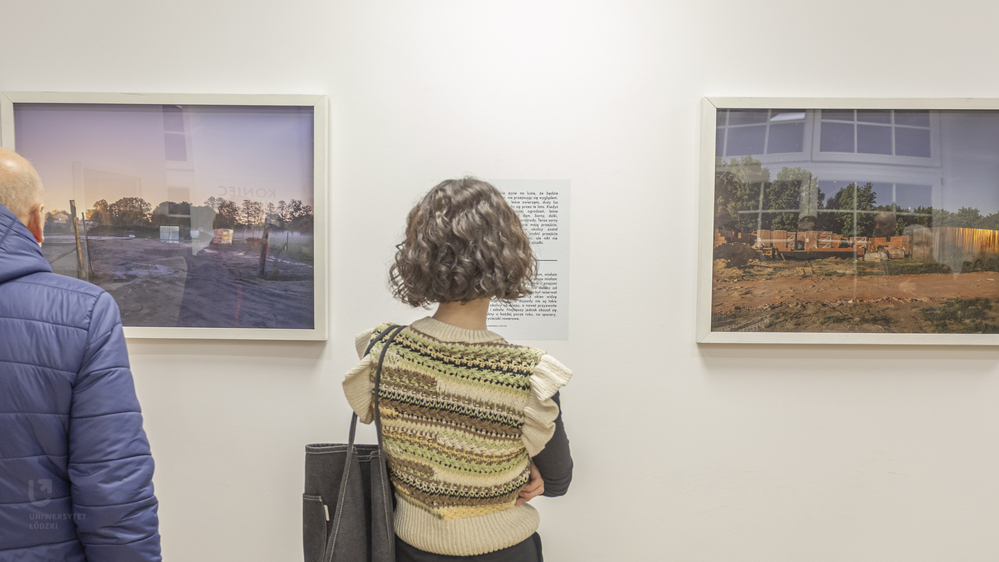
[[179, 156], [881, 136], [761, 132], [174, 134]]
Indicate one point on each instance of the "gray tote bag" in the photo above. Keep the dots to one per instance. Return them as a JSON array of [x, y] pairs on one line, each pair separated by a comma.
[[347, 505]]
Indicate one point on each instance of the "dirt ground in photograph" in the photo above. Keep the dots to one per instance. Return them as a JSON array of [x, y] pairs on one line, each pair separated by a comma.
[[843, 295], [157, 283]]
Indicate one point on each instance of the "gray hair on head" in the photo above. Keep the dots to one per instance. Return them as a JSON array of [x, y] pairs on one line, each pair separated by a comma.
[[20, 186]]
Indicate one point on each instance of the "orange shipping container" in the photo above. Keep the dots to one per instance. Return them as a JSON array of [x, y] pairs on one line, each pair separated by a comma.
[[779, 238], [810, 238]]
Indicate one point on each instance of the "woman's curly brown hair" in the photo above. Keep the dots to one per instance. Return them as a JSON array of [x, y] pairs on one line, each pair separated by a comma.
[[463, 242]]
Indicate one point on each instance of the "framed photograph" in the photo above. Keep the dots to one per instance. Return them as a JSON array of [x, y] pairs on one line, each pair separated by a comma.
[[849, 221], [204, 216]]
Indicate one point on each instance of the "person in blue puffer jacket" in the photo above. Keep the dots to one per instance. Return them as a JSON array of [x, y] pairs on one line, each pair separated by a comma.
[[75, 467]]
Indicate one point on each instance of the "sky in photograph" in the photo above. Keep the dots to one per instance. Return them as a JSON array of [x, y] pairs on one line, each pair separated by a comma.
[[970, 160], [263, 154]]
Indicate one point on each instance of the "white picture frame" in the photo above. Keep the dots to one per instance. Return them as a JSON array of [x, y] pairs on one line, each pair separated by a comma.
[[907, 168], [316, 104]]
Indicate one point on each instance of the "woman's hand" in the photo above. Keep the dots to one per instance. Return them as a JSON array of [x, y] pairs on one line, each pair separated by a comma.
[[534, 487]]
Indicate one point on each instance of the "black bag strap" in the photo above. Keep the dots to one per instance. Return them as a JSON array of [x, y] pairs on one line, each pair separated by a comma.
[[378, 379], [378, 382], [388, 335]]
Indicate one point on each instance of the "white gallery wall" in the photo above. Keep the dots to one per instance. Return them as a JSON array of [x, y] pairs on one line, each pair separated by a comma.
[[682, 452]]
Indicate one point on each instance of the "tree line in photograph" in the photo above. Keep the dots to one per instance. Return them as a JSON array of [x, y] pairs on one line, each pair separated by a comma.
[[737, 188], [294, 215], [135, 212]]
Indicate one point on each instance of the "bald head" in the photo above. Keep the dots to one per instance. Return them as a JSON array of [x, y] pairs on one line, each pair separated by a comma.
[[21, 190], [20, 186]]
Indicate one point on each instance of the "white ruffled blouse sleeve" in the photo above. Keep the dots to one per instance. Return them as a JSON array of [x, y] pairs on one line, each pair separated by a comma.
[[357, 385], [549, 376]]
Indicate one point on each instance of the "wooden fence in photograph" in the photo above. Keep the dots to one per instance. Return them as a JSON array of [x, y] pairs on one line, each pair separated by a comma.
[[922, 241], [953, 245]]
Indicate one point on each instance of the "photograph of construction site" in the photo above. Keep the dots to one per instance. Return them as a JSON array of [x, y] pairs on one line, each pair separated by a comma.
[[197, 216], [856, 221]]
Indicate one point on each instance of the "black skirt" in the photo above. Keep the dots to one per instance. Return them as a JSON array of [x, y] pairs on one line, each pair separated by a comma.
[[528, 550]]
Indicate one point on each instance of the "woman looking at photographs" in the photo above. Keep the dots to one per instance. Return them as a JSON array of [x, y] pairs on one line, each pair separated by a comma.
[[471, 424]]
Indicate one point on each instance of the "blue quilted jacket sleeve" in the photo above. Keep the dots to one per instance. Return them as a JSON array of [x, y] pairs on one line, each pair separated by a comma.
[[110, 466]]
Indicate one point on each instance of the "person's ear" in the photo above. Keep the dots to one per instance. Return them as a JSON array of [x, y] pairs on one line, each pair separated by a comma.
[[36, 223]]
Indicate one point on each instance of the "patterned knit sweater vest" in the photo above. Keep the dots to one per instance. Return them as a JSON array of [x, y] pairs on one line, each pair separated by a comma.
[[452, 418]]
